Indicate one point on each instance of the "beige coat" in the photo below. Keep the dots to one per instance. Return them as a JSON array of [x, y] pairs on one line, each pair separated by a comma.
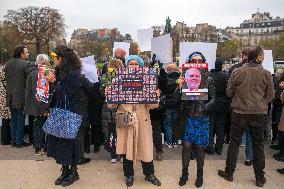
[[281, 123], [136, 141]]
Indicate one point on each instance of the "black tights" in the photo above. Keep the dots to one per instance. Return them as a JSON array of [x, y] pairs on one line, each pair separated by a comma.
[[188, 151]]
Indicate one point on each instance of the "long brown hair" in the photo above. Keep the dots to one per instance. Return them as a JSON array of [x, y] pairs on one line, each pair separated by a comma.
[[69, 60]]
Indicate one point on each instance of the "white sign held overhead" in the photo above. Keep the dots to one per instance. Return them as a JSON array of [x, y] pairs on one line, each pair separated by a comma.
[[144, 37], [123, 45], [207, 49], [268, 61], [162, 46], [90, 69]]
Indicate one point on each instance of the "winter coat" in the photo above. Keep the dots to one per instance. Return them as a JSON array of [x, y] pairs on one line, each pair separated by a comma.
[[67, 90], [33, 107], [219, 100], [136, 141], [85, 92], [15, 72], [281, 123], [251, 89], [4, 110], [172, 92]]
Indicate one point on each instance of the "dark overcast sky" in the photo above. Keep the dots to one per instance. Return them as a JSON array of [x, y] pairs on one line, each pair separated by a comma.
[[131, 15]]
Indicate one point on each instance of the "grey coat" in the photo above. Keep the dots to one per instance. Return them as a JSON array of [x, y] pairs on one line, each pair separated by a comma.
[[15, 72]]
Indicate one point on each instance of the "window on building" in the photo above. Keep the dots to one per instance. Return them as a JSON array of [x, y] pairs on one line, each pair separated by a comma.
[[267, 30], [249, 31], [268, 23], [263, 24], [256, 31], [261, 31]]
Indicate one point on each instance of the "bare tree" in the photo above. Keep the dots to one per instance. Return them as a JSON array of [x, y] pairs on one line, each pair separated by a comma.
[[40, 25]]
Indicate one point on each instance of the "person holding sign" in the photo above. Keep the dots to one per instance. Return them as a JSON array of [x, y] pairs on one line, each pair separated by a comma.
[[194, 116], [134, 133]]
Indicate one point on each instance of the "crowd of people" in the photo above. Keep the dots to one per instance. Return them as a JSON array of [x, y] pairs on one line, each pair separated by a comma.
[[244, 108]]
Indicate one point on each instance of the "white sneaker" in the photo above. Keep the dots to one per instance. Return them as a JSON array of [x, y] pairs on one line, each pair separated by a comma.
[[121, 159], [169, 145], [175, 145], [113, 160]]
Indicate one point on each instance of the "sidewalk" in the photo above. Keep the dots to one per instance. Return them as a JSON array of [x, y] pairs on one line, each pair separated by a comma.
[[20, 169]]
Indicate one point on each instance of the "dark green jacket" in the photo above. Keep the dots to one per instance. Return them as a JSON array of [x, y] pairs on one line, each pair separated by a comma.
[[15, 72]]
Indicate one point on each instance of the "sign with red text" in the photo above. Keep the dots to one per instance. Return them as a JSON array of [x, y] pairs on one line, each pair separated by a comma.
[[195, 76], [134, 86], [42, 86]]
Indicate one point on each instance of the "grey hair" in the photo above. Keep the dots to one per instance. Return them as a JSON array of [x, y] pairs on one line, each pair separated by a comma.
[[41, 58]]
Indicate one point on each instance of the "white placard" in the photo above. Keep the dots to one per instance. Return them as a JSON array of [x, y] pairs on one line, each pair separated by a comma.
[[162, 46], [123, 45], [144, 37], [207, 49], [268, 61], [89, 69]]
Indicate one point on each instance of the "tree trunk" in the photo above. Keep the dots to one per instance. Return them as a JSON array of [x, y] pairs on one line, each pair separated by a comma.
[[38, 49]]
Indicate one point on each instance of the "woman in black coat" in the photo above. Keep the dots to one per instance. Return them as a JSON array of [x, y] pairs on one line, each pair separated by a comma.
[[66, 85]]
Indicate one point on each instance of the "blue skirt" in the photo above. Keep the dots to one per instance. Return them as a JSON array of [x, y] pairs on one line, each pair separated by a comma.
[[197, 131]]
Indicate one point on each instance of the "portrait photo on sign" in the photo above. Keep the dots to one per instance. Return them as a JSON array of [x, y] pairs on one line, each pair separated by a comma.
[[195, 73]]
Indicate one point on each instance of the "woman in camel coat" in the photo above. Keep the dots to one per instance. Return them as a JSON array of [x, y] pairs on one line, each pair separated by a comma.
[[136, 142]]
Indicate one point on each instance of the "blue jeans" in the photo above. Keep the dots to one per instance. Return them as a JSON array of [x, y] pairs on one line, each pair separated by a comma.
[[170, 120], [17, 125], [249, 151]]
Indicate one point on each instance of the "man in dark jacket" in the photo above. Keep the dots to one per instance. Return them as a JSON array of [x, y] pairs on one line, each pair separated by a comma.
[[16, 83], [251, 88], [219, 105]]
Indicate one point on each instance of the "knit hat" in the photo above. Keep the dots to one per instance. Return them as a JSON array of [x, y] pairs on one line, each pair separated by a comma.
[[135, 57]]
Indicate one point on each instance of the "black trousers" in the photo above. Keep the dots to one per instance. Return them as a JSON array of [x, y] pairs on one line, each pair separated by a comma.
[[255, 123], [97, 136], [276, 115], [148, 168], [38, 133], [6, 132], [157, 137], [30, 126], [217, 127], [87, 138], [199, 155]]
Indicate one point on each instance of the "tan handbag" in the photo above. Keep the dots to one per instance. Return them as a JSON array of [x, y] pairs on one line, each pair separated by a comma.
[[124, 119]]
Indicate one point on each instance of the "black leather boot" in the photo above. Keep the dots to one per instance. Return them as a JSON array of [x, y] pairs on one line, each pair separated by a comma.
[[199, 179], [129, 181], [184, 177], [64, 174], [72, 177], [153, 179]]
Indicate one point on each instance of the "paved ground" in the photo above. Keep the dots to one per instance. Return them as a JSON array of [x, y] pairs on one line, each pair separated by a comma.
[[20, 169]]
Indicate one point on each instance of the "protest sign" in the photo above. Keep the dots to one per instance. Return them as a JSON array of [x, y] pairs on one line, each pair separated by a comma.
[[207, 49], [42, 86], [162, 46], [134, 86], [89, 69], [195, 73], [123, 45], [144, 37], [268, 61]]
